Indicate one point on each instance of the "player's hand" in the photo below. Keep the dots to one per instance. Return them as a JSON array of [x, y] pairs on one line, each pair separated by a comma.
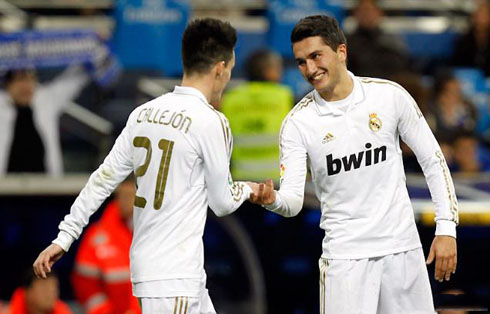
[[254, 186], [46, 259], [264, 195], [443, 249]]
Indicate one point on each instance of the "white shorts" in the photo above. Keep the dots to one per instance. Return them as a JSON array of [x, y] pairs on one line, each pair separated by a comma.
[[397, 283], [178, 305]]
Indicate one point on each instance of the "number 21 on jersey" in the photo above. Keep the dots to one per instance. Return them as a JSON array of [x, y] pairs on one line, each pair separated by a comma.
[[166, 147]]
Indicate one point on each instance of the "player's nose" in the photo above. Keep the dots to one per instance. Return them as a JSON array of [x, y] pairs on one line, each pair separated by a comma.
[[310, 67]]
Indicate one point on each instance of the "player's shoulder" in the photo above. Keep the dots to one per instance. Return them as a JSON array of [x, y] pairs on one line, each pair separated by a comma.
[[215, 118], [301, 106], [205, 117], [388, 90], [150, 103], [380, 85]]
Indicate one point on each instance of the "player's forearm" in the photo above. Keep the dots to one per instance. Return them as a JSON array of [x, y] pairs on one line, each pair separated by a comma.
[[99, 186], [116, 166], [286, 204], [417, 134], [229, 199], [442, 191]]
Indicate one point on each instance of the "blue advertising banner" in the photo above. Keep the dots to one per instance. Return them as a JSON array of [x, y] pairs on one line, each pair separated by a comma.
[[283, 14], [38, 49], [148, 34], [44, 49]]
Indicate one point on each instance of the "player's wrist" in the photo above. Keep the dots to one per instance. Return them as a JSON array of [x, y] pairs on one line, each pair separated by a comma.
[[445, 228], [247, 190], [275, 204], [64, 240]]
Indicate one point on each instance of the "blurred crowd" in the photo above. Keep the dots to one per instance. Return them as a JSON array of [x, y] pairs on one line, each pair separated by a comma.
[[31, 111], [30, 140], [460, 126]]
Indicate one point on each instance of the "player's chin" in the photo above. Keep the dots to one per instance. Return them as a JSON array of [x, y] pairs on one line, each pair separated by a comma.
[[320, 85]]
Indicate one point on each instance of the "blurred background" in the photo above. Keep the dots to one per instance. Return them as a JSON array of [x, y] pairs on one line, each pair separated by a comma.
[[73, 70]]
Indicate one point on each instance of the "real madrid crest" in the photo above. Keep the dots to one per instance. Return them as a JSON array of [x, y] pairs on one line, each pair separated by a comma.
[[374, 122]]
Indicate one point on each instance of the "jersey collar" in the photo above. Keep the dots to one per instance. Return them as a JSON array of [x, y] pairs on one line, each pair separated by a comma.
[[324, 107], [190, 91]]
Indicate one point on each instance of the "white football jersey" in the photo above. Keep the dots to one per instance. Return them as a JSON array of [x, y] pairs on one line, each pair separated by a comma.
[[179, 148], [352, 149]]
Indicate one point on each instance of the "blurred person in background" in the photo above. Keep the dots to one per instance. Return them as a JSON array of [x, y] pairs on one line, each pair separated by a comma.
[[450, 111], [469, 157], [447, 150], [38, 296], [29, 120], [255, 111], [101, 278], [473, 48], [373, 52]]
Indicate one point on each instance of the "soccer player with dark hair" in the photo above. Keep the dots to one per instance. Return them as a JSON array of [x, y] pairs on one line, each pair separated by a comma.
[[178, 147], [348, 131]]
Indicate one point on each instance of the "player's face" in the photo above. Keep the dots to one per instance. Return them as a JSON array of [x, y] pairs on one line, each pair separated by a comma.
[[318, 63]]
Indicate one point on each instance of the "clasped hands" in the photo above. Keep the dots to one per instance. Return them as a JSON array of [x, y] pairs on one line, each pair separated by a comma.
[[262, 193]]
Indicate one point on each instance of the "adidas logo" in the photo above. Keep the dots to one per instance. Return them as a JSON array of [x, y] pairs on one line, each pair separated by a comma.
[[328, 138]]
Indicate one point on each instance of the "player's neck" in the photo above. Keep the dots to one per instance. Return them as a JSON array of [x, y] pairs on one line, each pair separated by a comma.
[[341, 90], [203, 83]]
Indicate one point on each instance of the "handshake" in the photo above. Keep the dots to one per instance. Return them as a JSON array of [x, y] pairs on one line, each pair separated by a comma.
[[262, 193]]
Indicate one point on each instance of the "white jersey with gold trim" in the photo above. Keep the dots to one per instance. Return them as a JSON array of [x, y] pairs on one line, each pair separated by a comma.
[[179, 148], [352, 149]]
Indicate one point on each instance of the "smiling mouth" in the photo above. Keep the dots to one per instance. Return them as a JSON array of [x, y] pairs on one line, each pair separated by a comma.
[[316, 77]]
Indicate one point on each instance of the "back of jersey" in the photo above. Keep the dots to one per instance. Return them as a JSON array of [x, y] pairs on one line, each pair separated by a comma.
[[179, 148], [171, 198]]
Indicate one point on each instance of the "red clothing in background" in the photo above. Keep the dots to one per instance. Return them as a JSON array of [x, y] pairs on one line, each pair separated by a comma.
[[101, 279], [18, 304]]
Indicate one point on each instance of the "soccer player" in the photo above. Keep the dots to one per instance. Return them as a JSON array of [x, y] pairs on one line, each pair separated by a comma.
[[347, 130], [179, 148]]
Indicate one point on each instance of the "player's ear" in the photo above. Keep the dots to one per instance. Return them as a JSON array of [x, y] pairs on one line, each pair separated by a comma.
[[219, 68], [342, 52]]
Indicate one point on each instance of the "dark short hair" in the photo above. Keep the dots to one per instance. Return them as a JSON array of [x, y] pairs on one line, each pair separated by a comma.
[[10, 75], [441, 79], [29, 277], [319, 25], [206, 42], [464, 133], [258, 62]]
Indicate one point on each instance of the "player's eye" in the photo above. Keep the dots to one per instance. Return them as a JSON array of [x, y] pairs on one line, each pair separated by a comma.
[[300, 62], [316, 56]]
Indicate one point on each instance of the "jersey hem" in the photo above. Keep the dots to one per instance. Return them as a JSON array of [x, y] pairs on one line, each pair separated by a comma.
[[156, 278], [374, 254], [177, 293]]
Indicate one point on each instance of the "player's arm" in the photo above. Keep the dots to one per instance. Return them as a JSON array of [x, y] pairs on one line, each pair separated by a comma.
[[116, 166], [224, 195], [415, 131], [288, 201]]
